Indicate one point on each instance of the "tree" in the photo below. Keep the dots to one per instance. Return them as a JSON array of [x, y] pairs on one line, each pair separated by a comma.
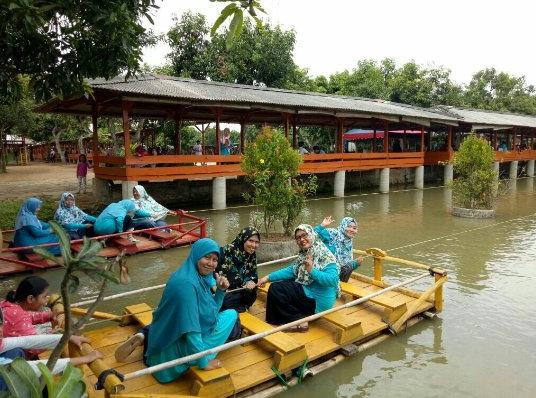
[[61, 43]]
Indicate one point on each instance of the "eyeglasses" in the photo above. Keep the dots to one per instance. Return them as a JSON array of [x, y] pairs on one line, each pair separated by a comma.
[[300, 237]]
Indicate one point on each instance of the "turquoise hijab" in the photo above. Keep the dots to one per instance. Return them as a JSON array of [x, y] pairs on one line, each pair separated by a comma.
[[119, 209], [187, 304], [26, 215]]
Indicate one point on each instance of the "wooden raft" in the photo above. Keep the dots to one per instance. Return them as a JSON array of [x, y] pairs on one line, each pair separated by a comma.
[[248, 366]]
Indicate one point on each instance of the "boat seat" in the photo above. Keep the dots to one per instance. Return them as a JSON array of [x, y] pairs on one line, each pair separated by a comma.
[[348, 326], [213, 383], [393, 309], [288, 354], [159, 234], [123, 243], [36, 260]]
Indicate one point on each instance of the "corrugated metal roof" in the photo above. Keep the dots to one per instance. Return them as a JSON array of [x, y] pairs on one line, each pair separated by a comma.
[[206, 91], [491, 118]]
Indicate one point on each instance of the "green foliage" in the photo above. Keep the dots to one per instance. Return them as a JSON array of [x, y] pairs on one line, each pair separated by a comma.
[[60, 43], [236, 10], [10, 207], [271, 166], [22, 381], [476, 181]]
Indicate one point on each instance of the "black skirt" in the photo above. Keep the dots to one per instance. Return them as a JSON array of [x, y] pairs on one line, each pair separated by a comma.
[[287, 302], [239, 301]]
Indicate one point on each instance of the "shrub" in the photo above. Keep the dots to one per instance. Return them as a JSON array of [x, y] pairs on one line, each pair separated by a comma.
[[9, 209], [475, 182], [271, 166]]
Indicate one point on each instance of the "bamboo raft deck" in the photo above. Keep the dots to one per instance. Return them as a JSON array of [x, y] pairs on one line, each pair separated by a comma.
[[247, 369], [188, 230]]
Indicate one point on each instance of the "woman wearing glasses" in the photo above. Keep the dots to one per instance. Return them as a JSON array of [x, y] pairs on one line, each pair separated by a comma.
[[307, 286]]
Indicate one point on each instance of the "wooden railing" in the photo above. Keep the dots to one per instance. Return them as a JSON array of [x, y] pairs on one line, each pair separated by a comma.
[[509, 156]]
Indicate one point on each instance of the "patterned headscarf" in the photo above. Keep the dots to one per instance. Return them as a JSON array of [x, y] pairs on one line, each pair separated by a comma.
[[235, 263], [69, 215], [147, 203], [318, 250], [342, 243]]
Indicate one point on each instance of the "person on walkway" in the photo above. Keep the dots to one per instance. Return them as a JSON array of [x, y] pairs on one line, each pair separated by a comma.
[[13, 347], [307, 286], [118, 217], [145, 202], [22, 309], [197, 149], [30, 231], [238, 263], [74, 220], [187, 320], [81, 173], [340, 242], [301, 148]]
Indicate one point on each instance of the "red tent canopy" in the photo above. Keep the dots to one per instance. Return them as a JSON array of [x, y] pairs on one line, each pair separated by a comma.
[[361, 134]]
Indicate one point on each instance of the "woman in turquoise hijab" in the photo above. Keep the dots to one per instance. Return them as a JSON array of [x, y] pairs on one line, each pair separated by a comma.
[[187, 319], [30, 231], [117, 217]]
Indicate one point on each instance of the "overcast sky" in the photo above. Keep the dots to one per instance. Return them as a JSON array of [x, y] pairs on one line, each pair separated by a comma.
[[464, 36]]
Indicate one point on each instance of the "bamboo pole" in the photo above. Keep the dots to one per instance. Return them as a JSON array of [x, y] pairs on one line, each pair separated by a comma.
[[258, 336], [410, 263], [438, 296], [411, 310]]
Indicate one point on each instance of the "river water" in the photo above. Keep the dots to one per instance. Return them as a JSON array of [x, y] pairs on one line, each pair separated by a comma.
[[482, 345]]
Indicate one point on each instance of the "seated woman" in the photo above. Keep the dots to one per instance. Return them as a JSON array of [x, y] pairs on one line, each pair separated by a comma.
[[238, 263], [308, 286], [187, 319], [74, 220], [117, 217], [146, 203], [340, 242], [30, 231]]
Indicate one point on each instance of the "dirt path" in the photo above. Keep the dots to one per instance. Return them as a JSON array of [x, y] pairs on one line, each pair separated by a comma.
[[43, 180]]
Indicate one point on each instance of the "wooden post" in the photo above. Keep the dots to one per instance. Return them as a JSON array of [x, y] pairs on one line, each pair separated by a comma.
[[287, 124], [340, 136], [404, 141], [126, 128], [494, 140], [294, 133], [218, 132], [386, 136], [532, 140], [94, 121], [449, 139], [422, 138], [374, 140], [378, 271], [242, 134], [438, 295], [177, 137]]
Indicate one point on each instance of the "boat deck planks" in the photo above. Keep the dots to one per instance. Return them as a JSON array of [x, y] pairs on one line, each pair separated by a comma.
[[249, 365]]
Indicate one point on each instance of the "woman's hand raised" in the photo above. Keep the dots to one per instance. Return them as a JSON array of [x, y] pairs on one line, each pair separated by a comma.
[[327, 221], [222, 282]]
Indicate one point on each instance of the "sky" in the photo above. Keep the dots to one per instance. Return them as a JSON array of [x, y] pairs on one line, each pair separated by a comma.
[[331, 36]]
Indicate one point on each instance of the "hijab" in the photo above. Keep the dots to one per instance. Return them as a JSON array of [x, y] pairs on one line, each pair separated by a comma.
[[69, 215], [235, 263], [322, 256], [147, 203], [26, 215], [342, 243], [187, 304]]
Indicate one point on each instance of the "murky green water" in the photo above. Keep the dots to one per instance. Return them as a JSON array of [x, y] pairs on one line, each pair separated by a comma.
[[483, 344]]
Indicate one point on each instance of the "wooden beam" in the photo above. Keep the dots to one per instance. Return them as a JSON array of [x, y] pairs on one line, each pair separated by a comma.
[[94, 122], [340, 135], [125, 106], [218, 133], [177, 137], [449, 139], [422, 138], [386, 136], [286, 123], [294, 133], [242, 134]]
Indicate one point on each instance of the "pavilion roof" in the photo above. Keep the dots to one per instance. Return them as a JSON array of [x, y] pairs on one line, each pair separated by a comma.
[[482, 119]]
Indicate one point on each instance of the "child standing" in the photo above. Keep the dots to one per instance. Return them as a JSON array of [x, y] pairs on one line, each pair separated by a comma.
[[81, 173]]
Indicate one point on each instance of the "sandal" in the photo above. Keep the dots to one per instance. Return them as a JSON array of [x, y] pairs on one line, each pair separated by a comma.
[[127, 348]]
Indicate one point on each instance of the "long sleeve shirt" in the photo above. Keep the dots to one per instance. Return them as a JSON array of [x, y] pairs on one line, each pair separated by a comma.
[[323, 289]]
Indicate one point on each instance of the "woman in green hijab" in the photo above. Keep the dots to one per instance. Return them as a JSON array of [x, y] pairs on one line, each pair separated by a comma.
[[187, 319]]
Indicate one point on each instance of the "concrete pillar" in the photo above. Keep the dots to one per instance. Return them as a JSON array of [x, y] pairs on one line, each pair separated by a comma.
[[101, 190], [530, 168], [384, 180], [338, 189], [419, 177], [126, 189], [219, 195], [513, 170], [497, 168], [448, 174]]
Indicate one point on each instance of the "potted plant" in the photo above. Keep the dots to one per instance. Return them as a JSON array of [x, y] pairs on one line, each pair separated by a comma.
[[475, 184], [272, 166]]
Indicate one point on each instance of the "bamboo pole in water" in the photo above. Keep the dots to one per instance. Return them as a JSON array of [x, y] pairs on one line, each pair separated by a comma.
[[259, 336]]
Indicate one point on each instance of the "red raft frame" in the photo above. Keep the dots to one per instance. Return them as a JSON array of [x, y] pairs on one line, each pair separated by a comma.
[[188, 230]]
